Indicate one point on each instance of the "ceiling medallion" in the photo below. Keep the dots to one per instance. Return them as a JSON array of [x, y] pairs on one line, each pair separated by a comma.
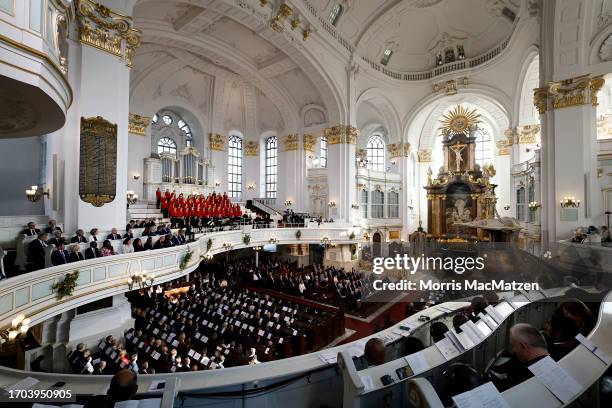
[[459, 120]]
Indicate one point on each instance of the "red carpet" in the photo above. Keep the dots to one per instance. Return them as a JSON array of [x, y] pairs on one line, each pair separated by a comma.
[[362, 329]]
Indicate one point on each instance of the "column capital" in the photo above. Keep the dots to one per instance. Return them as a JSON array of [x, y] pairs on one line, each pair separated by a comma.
[[424, 156], [570, 92], [107, 30], [309, 142], [137, 124], [399, 150], [291, 142], [341, 134], [251, 148]]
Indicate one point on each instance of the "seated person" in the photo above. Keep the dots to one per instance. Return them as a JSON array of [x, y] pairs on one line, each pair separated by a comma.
[[374, 352], [52, 227], [31, 230], [93, 235], [123, 387], [107, 248], [579, 313], [127, 247], [148, 244], [56, 238], [138, 245], [561, 334], [36, 252], [528, 346], [160, 243], [458, 321], [60, 255], [437, 330], [113, 235], [128, 232], [79, 237], [75, 253], [92, 251], [457, 379], [413, 345]]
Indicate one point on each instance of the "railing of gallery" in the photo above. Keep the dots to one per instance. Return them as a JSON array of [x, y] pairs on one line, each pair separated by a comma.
[[315, 379], [32, 294]]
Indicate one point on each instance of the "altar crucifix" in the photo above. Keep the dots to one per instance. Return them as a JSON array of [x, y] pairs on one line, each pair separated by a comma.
[[458, 148]]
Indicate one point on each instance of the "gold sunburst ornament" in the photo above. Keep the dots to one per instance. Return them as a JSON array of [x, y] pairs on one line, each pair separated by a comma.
[[459, 120]]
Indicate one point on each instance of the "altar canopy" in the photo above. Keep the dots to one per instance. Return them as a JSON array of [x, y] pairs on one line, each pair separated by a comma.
[[462, 191]]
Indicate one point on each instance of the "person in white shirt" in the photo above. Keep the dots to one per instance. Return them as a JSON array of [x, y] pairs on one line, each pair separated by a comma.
[[88, 368], [127, 247], [93, 235]]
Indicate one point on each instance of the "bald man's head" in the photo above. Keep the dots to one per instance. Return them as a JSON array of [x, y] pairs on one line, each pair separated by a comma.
[[375, 351], [527, 342], [123, 386]]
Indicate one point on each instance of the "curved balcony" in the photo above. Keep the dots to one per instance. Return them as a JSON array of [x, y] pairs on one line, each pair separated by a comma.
[[32, 293], [35, 92]]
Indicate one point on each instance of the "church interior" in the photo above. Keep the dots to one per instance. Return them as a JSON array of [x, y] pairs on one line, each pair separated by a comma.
[[322, 203]]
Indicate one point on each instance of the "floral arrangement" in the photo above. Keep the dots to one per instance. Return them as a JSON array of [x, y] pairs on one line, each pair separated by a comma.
[[298, 234], [185, 260], [65, 287], [246, 239]]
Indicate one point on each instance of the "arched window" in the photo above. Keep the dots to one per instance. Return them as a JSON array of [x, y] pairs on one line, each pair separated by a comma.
[[166, 145], [393, 211], [323, 151], [376, 153], [155, 118], [234, 166], [364, 203], [520, 204], [178, 126], [530, 199], [185, 128], [167, 119], [271, 165], [378, 204], [484, 147], [335, 13]]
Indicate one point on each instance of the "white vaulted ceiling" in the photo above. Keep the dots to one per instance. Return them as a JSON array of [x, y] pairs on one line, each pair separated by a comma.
[[416, 29]]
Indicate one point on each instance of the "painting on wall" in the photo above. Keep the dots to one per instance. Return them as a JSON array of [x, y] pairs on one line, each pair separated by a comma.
[[98, 161]]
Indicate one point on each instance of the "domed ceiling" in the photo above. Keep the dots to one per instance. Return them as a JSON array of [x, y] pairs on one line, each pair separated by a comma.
[[417, 30]]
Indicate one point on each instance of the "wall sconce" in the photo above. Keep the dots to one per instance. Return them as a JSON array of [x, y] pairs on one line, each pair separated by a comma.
[[217, 183], [227, 245], [273, 240], [19, 327], [393, 161], [141, 279], [257, 248], [332, 204], [288, 203], [327, 243], [569, 202], [355, 206], [534, 205], [136, 176], [132, 197], [251, 186], [366, 237], [34, 193], [507, 207]]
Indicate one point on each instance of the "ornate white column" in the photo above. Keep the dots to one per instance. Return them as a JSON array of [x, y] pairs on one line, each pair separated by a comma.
[[341, 170], [290, 177], [250, 170], [218, 160], [400, 154]]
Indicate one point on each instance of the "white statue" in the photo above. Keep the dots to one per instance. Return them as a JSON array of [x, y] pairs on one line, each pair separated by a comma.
[[458, 148]]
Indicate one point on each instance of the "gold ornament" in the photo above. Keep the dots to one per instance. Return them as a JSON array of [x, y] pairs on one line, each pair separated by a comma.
[[460, 120]]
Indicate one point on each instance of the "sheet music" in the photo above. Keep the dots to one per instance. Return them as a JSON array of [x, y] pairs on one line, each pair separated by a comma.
[[368, 383], [417, 362], [556, 379], [605, 358], [447, 348], [24, 384], [495, 315], [488, 321], [485, 396]]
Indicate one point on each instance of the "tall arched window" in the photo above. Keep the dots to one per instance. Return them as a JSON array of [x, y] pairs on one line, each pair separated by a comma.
[[335, 13], [271, 165], [364, 203], [166, 145], [376, 153], [378, 204], [323, 151], [484, 148], [393, 210], [234, 166], [520, 204], [185, 128]]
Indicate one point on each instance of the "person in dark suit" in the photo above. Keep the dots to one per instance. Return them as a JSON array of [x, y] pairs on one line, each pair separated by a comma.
[[114, 234], [128, 232], [56, 238], [92, 251], [52, 227], [123, 387], [79, 238], [160, 243], [148, 244], [36, 252], [31, 230], [60, 256], [138, 245], [75, 254]]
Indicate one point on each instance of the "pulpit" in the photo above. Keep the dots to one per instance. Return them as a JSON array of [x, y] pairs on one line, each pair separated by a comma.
[[462, 191]]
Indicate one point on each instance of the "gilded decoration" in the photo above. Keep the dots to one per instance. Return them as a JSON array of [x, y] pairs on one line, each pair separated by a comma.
[[529, 134], [278, 21], [97, 161], [604, 128], [424, 156], [217, 142], [459, 120], [450, 88], [361, 154], [577, 91], [503, 149], [107, 30], [291, 142], [399, 149], [511, 136], [309, 142], [137, 124], [251, 148], [341, 134]]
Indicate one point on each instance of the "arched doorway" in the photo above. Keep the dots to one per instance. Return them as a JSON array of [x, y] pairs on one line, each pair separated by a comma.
[[376, 244]]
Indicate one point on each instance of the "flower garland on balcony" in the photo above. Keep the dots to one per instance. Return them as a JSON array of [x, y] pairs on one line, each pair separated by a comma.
[[185, 260], [246, 239], [65, 287], [298, 234]]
